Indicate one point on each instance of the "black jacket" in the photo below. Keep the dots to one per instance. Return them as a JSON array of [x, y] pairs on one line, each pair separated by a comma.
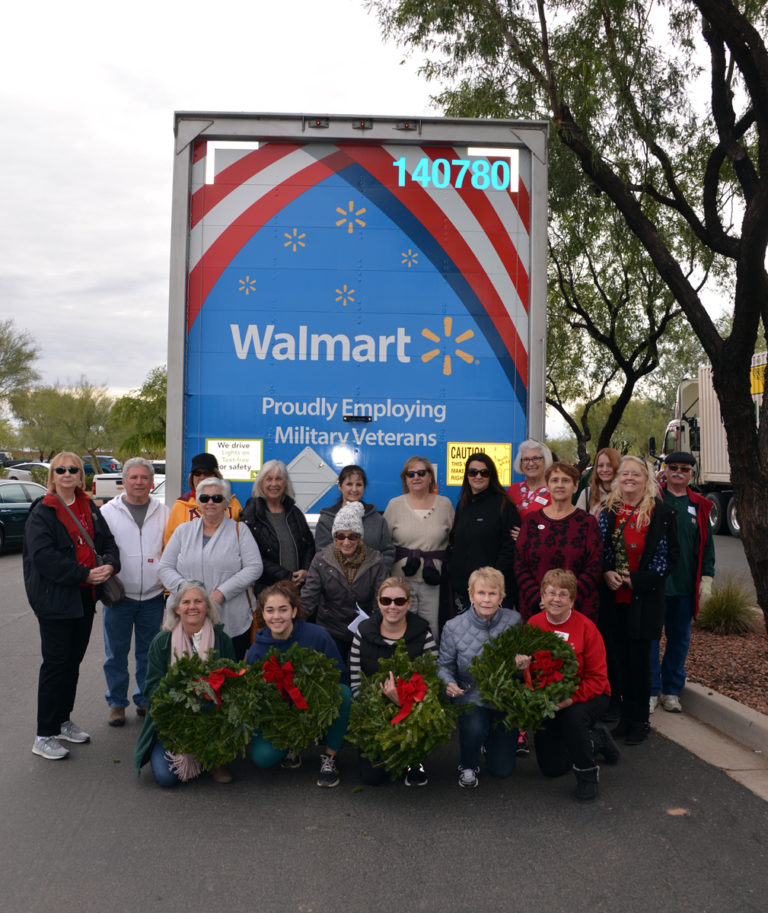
[[373, 647], [481, 538], [52, 575], [646, 610], [255, 516]]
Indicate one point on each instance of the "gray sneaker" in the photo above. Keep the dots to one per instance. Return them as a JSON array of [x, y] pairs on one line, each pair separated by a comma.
[[71, 732], [653, 703], [292, 761], [468, 777], [50, 748], [329, 773], [671, 703]]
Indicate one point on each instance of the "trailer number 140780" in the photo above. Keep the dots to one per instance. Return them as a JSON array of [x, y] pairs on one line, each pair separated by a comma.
[[479, 173]]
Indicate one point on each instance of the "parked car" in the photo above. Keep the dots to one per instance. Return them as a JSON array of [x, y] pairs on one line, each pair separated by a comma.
[[16, 498], [24, 470], [106, 464]]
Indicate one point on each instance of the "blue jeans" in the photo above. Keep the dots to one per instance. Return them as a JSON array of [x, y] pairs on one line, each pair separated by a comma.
[[119, 622], [483, 726], [668, 676], [161, 768]]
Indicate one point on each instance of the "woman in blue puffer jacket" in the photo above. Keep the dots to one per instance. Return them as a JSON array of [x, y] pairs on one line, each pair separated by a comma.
[[464, 638]]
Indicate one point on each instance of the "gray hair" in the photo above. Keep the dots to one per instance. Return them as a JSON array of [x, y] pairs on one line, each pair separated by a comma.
[[277, 468], [171, 619], [530, 444], [212, 482], [139, 461]]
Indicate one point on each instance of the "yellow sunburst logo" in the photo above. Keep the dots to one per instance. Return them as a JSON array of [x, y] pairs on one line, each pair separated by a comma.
[[295, 240], [410, 258], [350, 217], [247, 285], [345, 295], [459, 353]]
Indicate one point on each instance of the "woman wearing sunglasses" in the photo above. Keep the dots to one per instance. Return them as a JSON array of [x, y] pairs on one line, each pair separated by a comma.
[[222, 554], [482, 534], [376, 639], [343, 578], [420, 522], [61, 574]]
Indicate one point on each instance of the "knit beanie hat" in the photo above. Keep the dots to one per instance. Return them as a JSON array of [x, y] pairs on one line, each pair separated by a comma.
[[349, 517]]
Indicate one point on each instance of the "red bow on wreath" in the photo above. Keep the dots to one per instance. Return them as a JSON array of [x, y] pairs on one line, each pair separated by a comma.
[[408, 692], [546, 669], [217, 678], [282, 676]]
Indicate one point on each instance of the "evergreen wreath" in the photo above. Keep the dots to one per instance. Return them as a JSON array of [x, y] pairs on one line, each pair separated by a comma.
[[206, 708], [527, 698], [315, 682], [383, 731]]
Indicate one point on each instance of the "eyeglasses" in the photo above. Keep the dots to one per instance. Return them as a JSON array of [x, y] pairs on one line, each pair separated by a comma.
[[538, 459], [483, 473], [399, 601], [204, 499], [416, 472], [353, 537], [72, 470], [676, 467]]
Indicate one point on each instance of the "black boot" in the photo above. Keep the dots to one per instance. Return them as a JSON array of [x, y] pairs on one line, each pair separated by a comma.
[[604, 745], [586, 783], [638, 732], [622, 729]]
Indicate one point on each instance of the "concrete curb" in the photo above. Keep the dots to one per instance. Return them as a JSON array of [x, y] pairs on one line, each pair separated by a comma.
[[740, 723]]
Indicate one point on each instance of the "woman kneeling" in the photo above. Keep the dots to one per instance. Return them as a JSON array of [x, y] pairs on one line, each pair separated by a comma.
[[279, 611], [572, 738], [464, 638], [190, 627]]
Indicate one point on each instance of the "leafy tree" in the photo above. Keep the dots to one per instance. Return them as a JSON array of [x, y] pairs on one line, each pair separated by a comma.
[[18, 352], [138, 419], [624, 83], [54, 418]]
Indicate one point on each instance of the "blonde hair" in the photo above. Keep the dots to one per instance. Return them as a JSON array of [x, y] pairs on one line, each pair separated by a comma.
[[72, 459], [593, 493], [490, 577], [646, 503], [395, 582]]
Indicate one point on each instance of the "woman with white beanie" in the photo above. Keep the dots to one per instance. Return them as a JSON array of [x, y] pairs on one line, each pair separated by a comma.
[[343, 579]]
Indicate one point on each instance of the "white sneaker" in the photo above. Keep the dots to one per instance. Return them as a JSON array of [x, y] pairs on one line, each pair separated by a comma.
[[50, 748], [671, 703], [71, 732], [654, 703], [468, 778]]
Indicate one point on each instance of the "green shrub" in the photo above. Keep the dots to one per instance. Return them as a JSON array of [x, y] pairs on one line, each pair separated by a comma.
[[729, 610]]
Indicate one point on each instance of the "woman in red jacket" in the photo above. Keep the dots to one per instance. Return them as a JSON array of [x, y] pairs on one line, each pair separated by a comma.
[[573, 738]]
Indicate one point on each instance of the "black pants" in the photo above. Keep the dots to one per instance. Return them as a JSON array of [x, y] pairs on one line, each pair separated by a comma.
[[63, 642], [566, 739], [242, 643], [633, 669]]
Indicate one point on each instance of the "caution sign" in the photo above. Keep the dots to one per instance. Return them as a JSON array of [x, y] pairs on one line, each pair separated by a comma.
[[239, 459], [501, 454], [757, 379]]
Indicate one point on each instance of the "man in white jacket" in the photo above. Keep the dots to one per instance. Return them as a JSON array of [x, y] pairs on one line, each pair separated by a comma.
[[137, 521]]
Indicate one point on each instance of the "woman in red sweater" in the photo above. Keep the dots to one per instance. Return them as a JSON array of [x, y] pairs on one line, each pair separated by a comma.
[[573, 738]]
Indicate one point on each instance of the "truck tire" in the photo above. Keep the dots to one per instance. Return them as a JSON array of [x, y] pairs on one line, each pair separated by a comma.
[[732, 518], [717, 515]]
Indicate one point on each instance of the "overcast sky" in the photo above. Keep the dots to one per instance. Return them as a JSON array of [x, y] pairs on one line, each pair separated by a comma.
[[87, 96]]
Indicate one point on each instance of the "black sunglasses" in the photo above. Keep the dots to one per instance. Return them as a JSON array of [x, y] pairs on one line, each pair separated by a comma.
[[398, 600], [353, 537], [204, 499], [416, 472], [72, 470], [479, 472]]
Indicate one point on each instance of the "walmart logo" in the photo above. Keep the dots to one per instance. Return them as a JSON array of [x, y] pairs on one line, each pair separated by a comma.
[[457, 352]]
